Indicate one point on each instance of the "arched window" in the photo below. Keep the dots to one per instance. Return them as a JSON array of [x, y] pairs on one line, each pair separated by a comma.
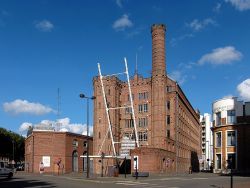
[[75, 143], [75, 161]]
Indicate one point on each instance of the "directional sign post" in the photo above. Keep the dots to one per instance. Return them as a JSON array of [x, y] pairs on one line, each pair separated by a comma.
[[126, 146]]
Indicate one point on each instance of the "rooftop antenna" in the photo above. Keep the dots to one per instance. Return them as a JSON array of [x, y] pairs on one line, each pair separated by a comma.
[[58, 108], [58, 103]]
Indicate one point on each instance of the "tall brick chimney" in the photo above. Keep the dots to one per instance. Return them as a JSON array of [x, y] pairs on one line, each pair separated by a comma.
[[158, 50], [159, 80]]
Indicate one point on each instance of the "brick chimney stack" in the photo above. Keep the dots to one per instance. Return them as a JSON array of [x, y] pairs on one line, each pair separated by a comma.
[[158, 50], [159, 80]]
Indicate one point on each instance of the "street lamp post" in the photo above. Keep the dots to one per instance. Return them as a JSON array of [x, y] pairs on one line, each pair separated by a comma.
[[92, 98], [13, 152], [208, 159]]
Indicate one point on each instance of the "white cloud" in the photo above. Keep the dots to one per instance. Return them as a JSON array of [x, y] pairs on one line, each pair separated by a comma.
[[44, 26], [219, 56], [197, 25], [62, 125], [244, 89], [240, 5], [178, 76], [25, 126], [64, 121], [227, 96], [19, 106], [122, 23]]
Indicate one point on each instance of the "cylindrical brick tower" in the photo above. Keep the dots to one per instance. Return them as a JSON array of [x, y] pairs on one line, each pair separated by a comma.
[[158, 50], [159, 79]]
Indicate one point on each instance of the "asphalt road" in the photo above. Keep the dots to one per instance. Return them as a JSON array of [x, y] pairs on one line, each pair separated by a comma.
[[21, 180]]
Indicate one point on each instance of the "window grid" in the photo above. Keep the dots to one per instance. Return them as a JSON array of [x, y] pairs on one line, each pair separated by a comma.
[[231, 119], [143, 96], [129, 123], [142, 108], [231, 140], [143, 136], [143, 122]]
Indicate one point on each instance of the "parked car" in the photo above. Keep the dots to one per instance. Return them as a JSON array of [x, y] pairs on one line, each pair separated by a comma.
[[6, 170], [20, 167]]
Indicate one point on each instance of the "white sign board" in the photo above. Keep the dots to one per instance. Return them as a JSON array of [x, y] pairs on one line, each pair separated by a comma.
[[126, 146], [136, 162], [46, 161], [126, 143]]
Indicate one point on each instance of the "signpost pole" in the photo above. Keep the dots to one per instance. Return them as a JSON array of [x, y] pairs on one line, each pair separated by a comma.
[[136, 172], [125, 164]]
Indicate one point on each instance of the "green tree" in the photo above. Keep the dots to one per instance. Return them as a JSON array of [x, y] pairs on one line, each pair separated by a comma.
[[9, 141]]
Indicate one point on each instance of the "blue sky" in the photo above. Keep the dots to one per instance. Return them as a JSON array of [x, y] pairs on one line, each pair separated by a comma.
[[46, 45]]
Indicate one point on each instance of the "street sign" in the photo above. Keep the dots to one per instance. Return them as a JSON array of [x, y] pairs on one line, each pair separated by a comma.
[[136, 162], [126, 146]]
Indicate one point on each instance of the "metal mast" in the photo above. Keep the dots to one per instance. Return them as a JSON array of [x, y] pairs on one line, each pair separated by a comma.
[[107, 109]]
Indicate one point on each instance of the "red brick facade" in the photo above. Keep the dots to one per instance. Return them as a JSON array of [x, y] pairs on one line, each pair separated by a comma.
[[167, 125], [55, 146]]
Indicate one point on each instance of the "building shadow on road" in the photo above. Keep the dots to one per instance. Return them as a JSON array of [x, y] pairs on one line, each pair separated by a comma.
[[21, 183]]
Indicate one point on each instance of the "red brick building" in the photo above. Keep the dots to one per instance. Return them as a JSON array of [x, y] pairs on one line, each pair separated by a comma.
[[55, 149], [168, 127]]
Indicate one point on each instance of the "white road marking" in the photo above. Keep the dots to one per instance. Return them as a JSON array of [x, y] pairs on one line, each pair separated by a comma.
[[199, 178]]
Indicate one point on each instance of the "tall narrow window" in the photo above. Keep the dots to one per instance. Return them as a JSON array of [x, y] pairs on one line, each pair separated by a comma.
[[218, 139], [168, 105], [231, 141], [140, 106], [218, 118], [231, 117], [145, 136], [218, 161], [145, 107], [168, 133], [231, 159], [168, 119]]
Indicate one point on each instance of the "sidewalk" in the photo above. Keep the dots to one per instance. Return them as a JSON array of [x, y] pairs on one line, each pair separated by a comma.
[[129, 177], [121, 177]]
